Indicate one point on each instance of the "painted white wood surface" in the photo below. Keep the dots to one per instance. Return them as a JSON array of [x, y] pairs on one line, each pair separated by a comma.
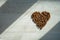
[[2, 2], [24, 29]]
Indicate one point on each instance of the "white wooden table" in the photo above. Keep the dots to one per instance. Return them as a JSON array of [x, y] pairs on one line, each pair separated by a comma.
[[24, 29]]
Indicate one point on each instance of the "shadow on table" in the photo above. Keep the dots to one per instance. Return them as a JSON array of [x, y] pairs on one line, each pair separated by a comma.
[[53, 34], [12, 10]]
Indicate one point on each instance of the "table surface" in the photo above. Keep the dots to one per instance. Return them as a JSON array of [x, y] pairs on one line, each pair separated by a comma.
[[12, 10], [9, 15]]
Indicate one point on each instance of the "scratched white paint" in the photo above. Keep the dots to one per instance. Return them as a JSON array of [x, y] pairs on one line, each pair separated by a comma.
[[2, 2]]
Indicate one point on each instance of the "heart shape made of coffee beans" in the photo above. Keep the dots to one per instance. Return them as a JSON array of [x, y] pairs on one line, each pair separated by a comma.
[[40, 19]]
